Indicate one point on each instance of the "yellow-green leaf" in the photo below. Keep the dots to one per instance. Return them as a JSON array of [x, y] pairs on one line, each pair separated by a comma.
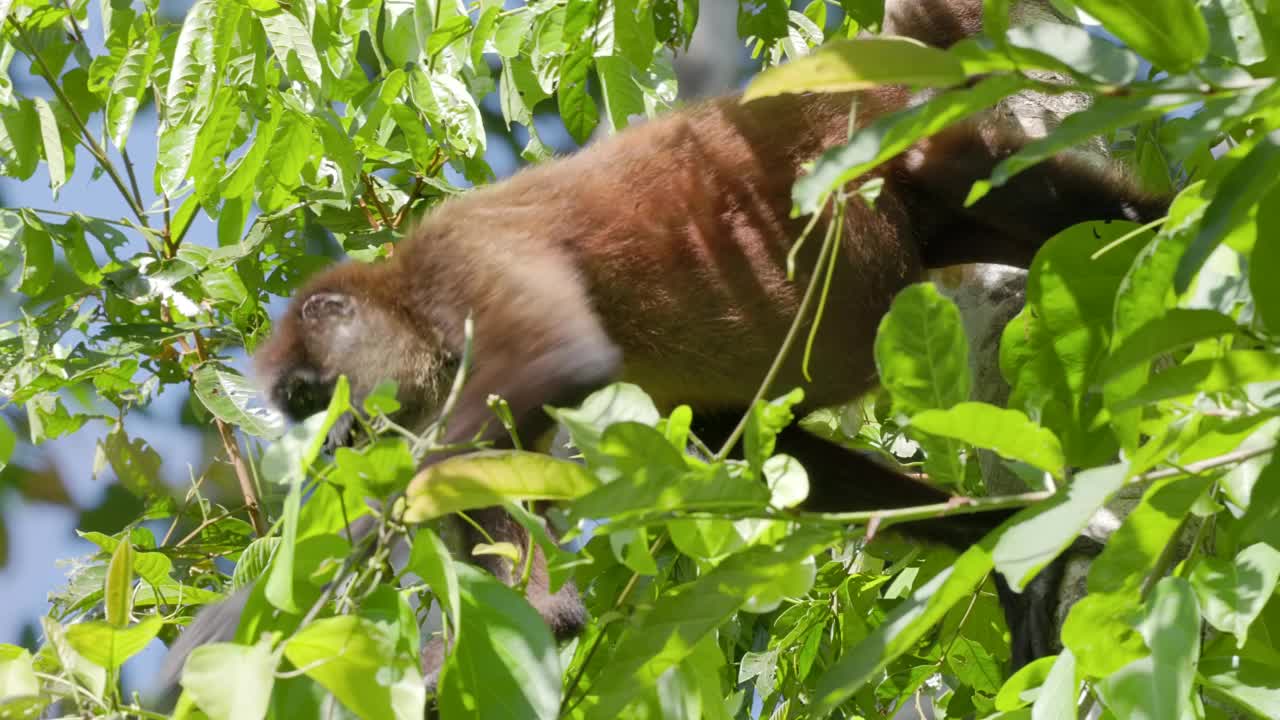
[[860, 64]]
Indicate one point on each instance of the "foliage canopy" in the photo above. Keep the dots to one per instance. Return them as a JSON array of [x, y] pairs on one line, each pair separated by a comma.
[[302, 127]]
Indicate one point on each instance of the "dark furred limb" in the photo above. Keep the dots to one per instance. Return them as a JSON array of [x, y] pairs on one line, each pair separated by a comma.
[[1012, 221]]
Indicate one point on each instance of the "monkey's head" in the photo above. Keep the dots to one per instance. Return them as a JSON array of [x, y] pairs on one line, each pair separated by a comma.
[[349, 321]]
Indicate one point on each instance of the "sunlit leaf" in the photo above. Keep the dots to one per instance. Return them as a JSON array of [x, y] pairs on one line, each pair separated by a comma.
[[229, 396], [212, 670], [490, 478], [109, 646], [1170, 33], [1233, 593], [859, 64], [1159, 685], [1007, 432], [358, 660], [504, 664]]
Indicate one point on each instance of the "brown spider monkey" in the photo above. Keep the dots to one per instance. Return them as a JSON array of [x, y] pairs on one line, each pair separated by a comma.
[[657, 256]]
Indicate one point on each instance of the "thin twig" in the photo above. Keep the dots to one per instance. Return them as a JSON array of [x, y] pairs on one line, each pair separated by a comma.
[[248, 490], [372, 193], [828, 246], [418, 184], [133, 178]]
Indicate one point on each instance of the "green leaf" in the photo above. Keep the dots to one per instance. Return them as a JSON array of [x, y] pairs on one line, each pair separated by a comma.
[[135, 463], [110, 646], [1233, 593], [421, 147], [1024, 686], [192, 57], [48, 418], [1075, 48], [52, 141], [70, 237], [1266, 254], [229, 681], [17, 676], [1059, 693], [903, 628], [764, 422], [446, 33], [623, 98], [1159, 686], [668, 633], [20, 140], [858, 64], [37, 258], [1039, 533], [1237, 195], [922, 352], [293, 144], [360, 661], [293, 47], [577, 109], [430, 559], [383, 467], [889, 135], [787, 481], [240, 181], [8, 441], [1072, 294], [482, 479], [212, 143], [1171, 331], [402, 31], [647, 475], [1170, 33], [91, 676], [619, 402], [286, 462], [504, 663], [253, 562], [1008, 432], [1231, 371], [118, 590], [129, 85], [452, 108], [1249, 684], [766, 20], [173, 156], [1146, 532], [1234, 30], [228, 395]]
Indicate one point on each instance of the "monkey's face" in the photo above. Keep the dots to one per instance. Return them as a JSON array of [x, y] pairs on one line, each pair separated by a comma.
[[326, 334]]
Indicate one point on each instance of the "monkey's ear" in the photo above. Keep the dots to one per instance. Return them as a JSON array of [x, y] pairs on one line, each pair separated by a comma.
[[328, 307]]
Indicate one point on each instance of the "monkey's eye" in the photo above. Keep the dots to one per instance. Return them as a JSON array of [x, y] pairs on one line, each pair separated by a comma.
[[301, 395]]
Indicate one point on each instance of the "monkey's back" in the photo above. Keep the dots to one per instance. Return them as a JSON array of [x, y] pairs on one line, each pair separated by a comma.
[[677, 233]]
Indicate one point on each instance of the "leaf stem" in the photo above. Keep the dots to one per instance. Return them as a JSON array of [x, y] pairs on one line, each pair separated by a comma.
[[793, 332], [248, 490]]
